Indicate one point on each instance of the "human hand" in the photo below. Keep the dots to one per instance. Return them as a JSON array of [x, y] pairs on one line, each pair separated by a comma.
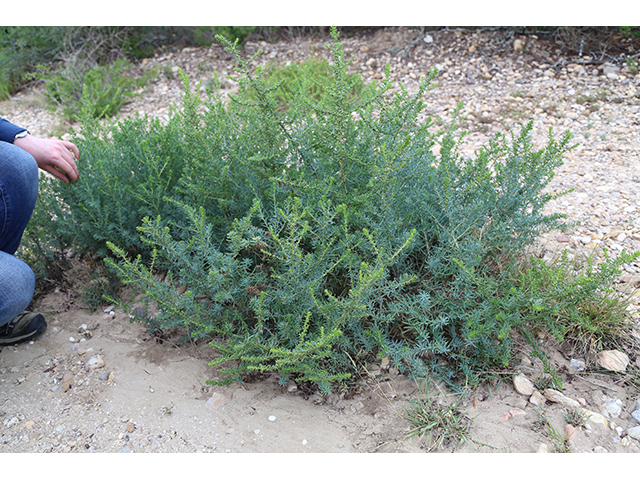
[[57, 157]]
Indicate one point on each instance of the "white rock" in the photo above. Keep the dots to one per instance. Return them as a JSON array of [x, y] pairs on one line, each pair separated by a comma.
[[612, 407], [272, 418], [543, 448], [634, 432], [559, 397], [595, 417], [537, 398], [216, 400], [13, 421], [613, 360], [577, 365], [428, 39], [523, 385], [95, 362]]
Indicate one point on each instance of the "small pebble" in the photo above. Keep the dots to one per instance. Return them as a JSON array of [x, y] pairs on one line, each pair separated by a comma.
[[544, 448], [272, 418], [13, 421]]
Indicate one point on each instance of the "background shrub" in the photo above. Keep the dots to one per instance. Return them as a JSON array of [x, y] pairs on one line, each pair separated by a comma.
[[104, 88], [289, 79], [23, 49]]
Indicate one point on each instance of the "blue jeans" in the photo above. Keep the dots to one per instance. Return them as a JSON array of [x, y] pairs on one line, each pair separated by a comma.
[[18, 194]]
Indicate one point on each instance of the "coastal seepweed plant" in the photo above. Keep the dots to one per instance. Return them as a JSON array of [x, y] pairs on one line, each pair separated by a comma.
[[310, 240]]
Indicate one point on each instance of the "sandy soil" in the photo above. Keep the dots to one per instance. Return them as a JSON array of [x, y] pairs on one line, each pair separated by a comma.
[[153, 397]]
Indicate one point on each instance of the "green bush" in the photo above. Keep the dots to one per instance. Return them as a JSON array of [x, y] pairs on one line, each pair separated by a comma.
[[24, 48], [316, 71], [573, 300], [311, 240], [104, 87], [127, 171]]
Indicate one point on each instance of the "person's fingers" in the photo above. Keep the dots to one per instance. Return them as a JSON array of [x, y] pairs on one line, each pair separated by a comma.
[[65, 159], [70, 161], [75, 154], [68, 166], [72, 147], [56, 173]]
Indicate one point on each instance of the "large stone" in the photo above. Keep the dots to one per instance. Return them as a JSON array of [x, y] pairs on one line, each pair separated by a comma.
[[217, 400], [543, 448], [523, 385], [595, 417], [537, 398], [611, 69], [634, 432], [95, 362], [559, 397], [614, 360]]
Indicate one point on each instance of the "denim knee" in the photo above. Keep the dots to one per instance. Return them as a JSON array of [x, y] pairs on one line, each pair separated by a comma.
[[17, 284], [18, 194]]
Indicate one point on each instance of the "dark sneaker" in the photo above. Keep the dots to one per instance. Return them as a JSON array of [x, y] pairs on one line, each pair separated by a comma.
[[26, 326]]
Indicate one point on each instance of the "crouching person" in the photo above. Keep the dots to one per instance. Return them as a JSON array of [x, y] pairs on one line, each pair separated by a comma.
[[21, 154]]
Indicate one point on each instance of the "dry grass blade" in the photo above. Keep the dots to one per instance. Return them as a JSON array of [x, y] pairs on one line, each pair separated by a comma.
[[443, 424]]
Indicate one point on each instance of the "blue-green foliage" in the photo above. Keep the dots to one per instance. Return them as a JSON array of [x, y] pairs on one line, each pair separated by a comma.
[[128, 170], [314, 238]]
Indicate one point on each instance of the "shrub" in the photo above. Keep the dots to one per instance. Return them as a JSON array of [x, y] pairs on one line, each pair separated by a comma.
[[310, 240], [127, 170], [105, 87], [24, 48], [575, 301], [21, 49], [317, 71]]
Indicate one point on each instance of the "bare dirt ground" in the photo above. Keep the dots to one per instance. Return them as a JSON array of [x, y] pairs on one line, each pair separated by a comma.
[[95, 382]]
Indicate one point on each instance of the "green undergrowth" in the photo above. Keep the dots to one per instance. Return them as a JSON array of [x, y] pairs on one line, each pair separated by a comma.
[[309, 76], [311, 240], [101, 89]]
